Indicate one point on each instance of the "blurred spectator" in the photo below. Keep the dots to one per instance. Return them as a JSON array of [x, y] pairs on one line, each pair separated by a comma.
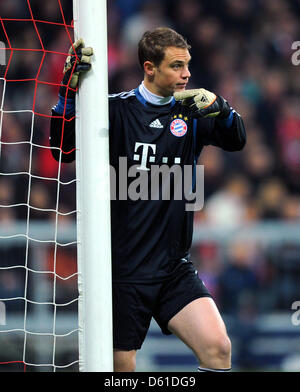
[[258, 164], [11, 285], [238, 282], [283, 287], [291, 209], [271, 198], [150, 16], [214, 165], [6, 191], [207, 258], [288, 136], [127, 8], [227, 207]]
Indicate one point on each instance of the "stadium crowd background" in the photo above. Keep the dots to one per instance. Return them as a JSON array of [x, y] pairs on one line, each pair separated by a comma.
[[240, 50]]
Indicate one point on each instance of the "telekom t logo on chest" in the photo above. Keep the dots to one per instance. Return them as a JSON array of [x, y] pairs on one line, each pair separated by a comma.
[[147, 154], [145, 148]]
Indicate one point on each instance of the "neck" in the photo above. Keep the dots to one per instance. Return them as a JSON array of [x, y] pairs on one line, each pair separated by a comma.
[[152, 97]]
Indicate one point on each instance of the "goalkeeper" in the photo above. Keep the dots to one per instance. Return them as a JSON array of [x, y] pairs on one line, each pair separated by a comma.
[[159, 121]]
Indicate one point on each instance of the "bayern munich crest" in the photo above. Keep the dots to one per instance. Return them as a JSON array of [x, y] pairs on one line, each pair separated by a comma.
[[178, 127]]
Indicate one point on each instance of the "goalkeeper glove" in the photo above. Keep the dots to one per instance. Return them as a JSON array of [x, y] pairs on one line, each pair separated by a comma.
[[76, 63], [204, 103]]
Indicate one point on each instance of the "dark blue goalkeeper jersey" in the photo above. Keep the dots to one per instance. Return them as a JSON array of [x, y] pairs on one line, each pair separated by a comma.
[[150, 236]]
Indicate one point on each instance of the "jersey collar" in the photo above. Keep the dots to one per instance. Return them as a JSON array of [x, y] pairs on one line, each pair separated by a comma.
[[147, 103]]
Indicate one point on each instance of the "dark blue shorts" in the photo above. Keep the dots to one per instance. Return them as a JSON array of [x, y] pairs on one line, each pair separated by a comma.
[[134, 305]]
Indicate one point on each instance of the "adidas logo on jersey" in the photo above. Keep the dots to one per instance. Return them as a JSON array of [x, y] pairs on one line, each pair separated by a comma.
[[156, 124]]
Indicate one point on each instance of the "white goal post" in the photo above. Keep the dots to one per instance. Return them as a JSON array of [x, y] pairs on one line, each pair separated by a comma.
[[93, 194]]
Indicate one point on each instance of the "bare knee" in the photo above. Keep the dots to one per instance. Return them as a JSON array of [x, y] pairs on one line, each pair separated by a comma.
[[217, 353], [222, 348], [124, 361]]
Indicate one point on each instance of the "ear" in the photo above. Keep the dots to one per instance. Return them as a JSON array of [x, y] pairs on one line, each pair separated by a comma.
[[149, 68]]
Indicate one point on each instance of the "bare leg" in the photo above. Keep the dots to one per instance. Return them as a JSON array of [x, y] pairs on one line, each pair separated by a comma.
[[124, 361], [200, 326]]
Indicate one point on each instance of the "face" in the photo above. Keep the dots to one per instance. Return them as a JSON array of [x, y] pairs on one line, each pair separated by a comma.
[[171, 75]]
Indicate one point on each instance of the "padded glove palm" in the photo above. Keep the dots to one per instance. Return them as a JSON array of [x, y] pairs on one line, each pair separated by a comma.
[[204, 103]]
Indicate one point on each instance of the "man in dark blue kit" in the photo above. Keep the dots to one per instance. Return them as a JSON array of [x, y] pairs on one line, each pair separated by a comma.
[[159, 122]]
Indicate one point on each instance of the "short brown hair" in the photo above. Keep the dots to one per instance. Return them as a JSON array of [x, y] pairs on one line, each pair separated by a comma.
[[153, 44]]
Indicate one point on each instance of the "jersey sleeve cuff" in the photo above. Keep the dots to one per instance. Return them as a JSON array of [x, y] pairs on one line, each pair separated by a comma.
[[61, 104], [229, 120]]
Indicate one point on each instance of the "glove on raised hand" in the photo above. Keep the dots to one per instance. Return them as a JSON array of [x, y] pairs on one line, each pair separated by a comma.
[[76, 63], [204, 103]]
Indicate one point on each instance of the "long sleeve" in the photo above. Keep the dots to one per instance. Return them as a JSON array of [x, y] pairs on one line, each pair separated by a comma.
[[62, 129], [217, 133]]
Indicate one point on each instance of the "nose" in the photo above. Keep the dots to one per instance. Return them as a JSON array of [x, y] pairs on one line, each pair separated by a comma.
[[186, 73]]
